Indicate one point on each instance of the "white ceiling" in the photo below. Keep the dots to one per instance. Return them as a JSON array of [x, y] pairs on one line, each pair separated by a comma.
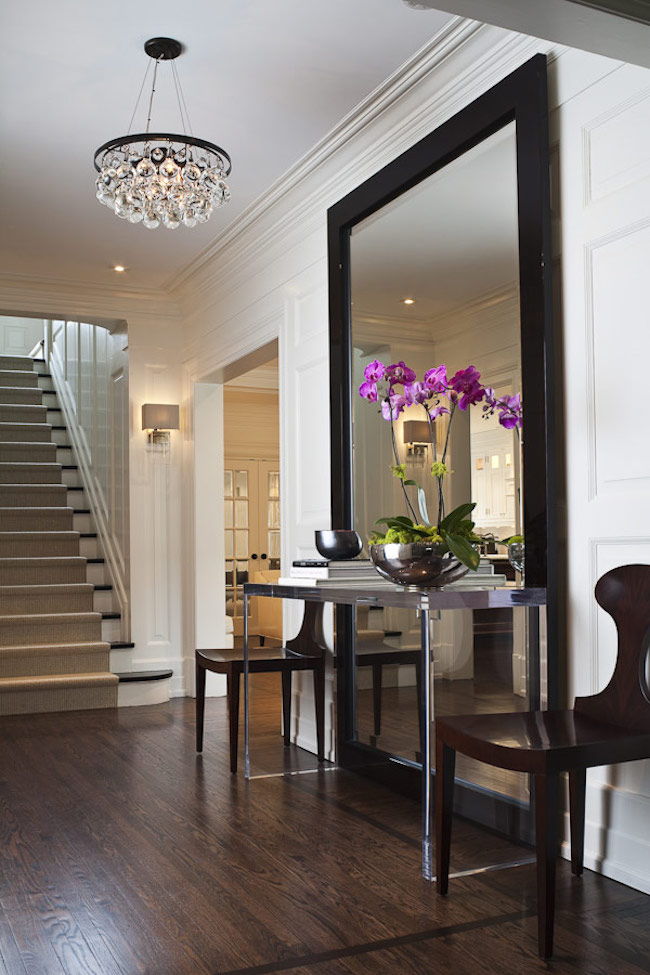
[[265, 79]]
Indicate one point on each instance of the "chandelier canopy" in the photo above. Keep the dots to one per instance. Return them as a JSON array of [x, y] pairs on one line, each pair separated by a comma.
[[159, 177]]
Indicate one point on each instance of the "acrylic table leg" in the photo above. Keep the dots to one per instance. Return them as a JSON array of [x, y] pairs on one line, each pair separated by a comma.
[[247, 758], [428, 747]]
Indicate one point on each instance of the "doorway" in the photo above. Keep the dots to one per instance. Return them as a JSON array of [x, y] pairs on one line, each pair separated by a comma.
[[252, 495]]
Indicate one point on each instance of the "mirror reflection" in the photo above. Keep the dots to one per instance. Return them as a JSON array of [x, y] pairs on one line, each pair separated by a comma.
[[434, 280]]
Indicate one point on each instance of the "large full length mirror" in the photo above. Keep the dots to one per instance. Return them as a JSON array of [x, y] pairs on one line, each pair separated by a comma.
[[440, 260]]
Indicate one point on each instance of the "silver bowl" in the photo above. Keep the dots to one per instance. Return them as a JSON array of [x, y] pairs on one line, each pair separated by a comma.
[[419, 565]]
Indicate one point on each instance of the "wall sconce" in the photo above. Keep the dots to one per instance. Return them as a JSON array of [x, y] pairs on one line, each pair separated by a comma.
[[158, 419], [417, 437]]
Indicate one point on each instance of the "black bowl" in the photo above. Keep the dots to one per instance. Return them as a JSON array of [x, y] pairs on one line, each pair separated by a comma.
[[338, 543]]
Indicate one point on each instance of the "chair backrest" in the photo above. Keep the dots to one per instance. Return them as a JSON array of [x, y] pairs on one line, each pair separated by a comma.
[[624, 593], [309, 641]]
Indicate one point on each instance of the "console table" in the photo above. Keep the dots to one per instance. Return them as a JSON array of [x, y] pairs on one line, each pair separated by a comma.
[[425, 602]]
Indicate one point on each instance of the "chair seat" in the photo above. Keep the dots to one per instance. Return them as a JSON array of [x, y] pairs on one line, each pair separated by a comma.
[[260, 660], [541, 741]]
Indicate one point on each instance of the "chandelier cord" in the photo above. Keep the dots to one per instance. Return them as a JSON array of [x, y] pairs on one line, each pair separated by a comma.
[[181, 98], [153, 92], [137, 101]]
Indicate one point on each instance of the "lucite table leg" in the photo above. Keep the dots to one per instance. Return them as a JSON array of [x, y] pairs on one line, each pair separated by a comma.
[[428, 747], [247, 758]]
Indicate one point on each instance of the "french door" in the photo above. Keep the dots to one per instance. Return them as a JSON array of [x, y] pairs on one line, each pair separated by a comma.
[[252, 529]]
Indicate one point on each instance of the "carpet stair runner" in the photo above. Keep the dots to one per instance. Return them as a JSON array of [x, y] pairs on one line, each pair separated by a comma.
[[52, 656]]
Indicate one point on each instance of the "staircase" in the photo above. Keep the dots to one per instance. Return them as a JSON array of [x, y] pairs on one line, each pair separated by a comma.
[[54, 651]]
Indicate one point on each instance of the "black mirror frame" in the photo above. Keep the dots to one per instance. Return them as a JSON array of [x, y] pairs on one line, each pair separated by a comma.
[[520, 97]]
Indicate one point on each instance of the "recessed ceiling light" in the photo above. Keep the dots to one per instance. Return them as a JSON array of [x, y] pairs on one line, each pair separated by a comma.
[[118, 267], [409, 301]]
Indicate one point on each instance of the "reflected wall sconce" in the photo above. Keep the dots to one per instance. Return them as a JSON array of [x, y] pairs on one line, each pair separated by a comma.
[[158, 419], [417, 437]]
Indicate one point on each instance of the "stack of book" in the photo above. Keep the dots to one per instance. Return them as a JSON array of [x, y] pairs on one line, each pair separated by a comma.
[[361, 572]]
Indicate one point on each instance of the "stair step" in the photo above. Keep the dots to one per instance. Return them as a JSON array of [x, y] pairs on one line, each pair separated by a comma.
[[20, 432], [21, 395], [27, 452], [14, 519], [49, 598], [68, 692], [34, 571], [33, 495], [127, 677], [22, 413], [24, 473], [50, 628], [18, 377], [32, 544], [17, 362], [38, 660]]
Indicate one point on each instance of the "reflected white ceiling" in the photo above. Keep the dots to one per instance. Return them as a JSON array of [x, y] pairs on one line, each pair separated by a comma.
[[265, 79], [446, 242]]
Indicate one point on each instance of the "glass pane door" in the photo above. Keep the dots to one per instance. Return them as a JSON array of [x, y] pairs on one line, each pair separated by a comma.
[[240, 516]]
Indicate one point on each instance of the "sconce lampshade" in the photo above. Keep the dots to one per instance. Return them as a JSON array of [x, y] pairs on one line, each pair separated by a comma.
[[416, 431], [160, 416]]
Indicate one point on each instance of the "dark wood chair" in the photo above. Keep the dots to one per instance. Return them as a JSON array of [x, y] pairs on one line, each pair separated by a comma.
[[603, 729], [304, 652]]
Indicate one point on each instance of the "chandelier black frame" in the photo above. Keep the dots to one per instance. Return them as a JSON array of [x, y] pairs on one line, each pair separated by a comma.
[[162, 177]]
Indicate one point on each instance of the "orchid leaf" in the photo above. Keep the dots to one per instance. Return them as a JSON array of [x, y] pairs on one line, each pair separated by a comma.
[[463, 550], [451, 522]]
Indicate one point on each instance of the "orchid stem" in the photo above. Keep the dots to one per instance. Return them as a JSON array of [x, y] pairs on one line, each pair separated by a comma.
[[397, 461]]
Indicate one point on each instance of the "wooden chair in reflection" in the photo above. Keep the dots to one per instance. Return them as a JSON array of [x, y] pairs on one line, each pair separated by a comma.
[[371, 651], [603, 729], [304, 652]]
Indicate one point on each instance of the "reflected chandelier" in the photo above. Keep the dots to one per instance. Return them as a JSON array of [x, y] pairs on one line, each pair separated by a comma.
[[158, 177]]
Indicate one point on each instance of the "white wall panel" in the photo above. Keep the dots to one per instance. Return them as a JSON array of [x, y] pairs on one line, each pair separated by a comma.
[[618, 289], [18, 336]]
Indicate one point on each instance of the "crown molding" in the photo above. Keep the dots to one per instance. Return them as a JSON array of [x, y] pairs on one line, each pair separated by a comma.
[[34, 295], [408, 74]]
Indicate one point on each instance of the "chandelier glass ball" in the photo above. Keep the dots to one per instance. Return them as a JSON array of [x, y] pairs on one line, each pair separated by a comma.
[[159, 178]]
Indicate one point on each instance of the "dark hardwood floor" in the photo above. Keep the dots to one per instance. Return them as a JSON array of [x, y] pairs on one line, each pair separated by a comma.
[[123, 853]]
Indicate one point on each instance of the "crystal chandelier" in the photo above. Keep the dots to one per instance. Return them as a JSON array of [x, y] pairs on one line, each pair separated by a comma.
[[158, 177]]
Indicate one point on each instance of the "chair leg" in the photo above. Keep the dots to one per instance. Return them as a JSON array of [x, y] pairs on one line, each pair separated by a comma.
[[233, 714], [286, 706], [200, 705], [546, 814], [376, 697], [577, 787], [319, 707], [445, 767]]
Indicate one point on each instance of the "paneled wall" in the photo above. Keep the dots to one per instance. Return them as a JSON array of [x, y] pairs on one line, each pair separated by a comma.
[[18, 336], [604, 237], [89, 366]]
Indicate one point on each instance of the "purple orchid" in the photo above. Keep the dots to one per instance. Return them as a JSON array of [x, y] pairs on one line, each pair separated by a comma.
[[437, 411], [436, 379], [466, 383], [391, 410], [368, 391], [416, 393], [374, 372], [400, 373], [510, 412]]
